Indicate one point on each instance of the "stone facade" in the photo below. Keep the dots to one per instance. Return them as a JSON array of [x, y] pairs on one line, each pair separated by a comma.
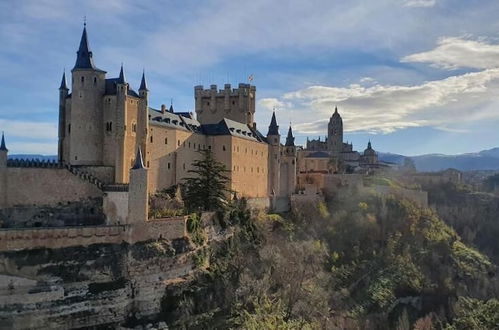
[[114, 121]]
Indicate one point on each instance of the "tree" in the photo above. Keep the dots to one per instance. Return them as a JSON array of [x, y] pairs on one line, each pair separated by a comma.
[[207, 189]]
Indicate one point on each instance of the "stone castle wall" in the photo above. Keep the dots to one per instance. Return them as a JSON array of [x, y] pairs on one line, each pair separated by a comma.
[[44, 186], [21, 239]]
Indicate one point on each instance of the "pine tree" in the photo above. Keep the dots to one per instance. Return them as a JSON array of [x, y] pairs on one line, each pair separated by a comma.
[[207, 189]]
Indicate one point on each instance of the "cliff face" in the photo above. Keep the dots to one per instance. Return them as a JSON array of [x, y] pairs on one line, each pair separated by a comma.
[[102, 284]]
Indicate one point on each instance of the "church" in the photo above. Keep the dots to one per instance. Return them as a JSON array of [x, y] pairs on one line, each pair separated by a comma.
[[104, 121]]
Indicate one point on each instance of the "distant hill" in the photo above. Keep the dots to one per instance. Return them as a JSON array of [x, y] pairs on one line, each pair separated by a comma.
[[483, 160], [33, 156]]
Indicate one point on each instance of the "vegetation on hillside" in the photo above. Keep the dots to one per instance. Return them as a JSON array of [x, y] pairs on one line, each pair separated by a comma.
[[357, 263]]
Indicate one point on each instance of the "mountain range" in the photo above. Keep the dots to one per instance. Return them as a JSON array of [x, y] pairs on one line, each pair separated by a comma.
[[483, 160]]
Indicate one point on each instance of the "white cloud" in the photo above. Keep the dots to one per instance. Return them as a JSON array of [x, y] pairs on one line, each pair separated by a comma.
[[454, 52], [387, 108], [420, 3], [26, 129]]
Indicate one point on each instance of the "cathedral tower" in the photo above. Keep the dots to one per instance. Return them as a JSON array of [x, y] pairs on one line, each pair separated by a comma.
[[335, 134], [86, 130]]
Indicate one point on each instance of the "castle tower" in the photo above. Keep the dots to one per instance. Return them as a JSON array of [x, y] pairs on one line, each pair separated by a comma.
[[274, 140], [121, 163], [213, 105], [335, 134], [63, 95], [288, 165], [138, 193], [88, 86], [3, 153], [143, 118], [3, 173]]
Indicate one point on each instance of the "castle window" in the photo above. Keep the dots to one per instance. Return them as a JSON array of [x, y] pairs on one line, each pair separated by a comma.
[[82, 80], [124, 128], [207, 103], [147, 163], [166, 140], [150, 138], [183, 166], [189, 144], [134, 127], [76, 157], [95, 81], [183, 144], [257, 169], [223, 148], [233, 102], [209, 147], [69, 129], [178, 143], [194, 146], [168, 165]]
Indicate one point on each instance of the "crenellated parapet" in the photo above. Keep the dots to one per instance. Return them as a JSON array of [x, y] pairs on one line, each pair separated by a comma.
[[213, 104]]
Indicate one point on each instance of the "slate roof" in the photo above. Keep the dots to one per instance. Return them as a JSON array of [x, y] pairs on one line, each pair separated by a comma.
[[110, 87], [2, 144], [84, 56], [273, 127]]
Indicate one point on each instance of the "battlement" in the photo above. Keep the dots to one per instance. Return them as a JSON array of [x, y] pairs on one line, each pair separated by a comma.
[[243, 89]]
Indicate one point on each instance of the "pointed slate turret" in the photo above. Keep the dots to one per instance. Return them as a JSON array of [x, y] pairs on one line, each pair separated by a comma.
[[369, 145], [2, 144], [139, 163], [84, 58], [290, 139], [273, 128], [143, 86], [121, 78], [336, 114], [63, 82]]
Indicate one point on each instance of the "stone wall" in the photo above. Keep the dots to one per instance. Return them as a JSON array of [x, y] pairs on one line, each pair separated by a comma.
[[87, 212], [44, 186], [104, 173], [20, 239], [115, 207]]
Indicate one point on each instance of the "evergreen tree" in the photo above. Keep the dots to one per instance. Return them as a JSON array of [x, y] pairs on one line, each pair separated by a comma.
[[207, 189]]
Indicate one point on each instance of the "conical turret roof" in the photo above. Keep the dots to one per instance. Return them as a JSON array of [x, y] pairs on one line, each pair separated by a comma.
[[273, 127], [290, 139], [2, 144], [139, 163], [84, 58]]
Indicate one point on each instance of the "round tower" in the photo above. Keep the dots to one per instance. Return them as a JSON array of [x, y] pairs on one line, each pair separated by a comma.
[[274, 141], [63, 95], [335, 134], [88, 87]]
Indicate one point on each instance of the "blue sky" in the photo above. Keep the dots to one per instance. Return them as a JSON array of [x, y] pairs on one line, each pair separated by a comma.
[[414, 76]]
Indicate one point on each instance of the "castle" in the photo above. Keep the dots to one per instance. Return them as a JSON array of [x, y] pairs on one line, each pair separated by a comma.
[[105, 125], [103, 121]]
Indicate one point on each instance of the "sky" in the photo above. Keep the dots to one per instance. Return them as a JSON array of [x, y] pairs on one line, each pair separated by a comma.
[[412, 76]]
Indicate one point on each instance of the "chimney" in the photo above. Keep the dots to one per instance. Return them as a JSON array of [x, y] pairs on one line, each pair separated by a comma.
[[163, 108]]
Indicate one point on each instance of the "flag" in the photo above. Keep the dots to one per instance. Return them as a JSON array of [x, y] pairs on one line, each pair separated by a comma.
[[250, 78]]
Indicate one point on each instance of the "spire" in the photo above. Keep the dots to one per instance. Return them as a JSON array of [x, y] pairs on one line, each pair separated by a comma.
[[84, 58], [369, 144], [139, 163], [171, 105], [2, 144], [143, 86], [121, 78], [336, 113], [63, 82], [290, 139], [273, 128]]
